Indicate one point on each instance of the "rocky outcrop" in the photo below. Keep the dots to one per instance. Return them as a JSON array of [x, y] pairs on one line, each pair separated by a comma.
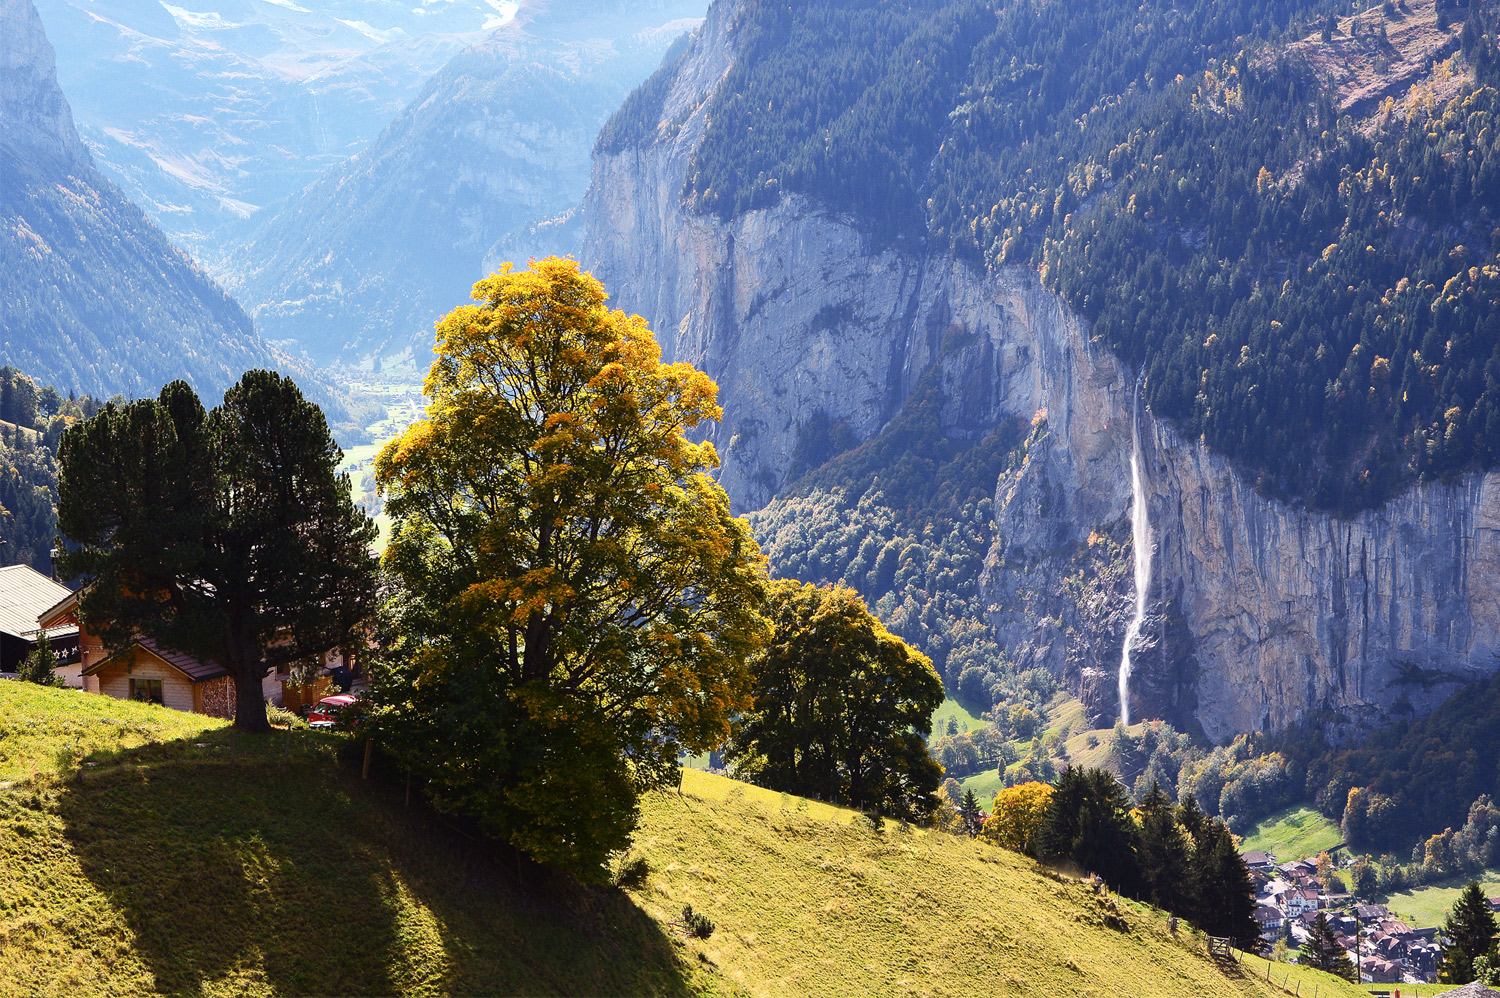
[[1260, 613], [92, 296], [34, 114]]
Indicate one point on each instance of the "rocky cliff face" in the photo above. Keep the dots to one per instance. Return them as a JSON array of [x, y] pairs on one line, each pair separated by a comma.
[[92, 296], [34, 114], [1261, 614]]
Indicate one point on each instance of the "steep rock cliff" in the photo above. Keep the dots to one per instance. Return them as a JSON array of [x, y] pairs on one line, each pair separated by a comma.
[[1260, 614]]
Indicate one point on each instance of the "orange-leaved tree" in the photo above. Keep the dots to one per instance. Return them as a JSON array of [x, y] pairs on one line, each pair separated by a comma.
[[1016, 816], [575, 603]]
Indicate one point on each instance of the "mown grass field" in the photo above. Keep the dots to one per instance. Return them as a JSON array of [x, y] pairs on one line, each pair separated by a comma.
[[1295, 832], [172, 867], [952, 708], [1423, 906]]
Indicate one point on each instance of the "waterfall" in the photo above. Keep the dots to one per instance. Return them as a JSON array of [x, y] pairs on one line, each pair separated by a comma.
[[1140, 542]]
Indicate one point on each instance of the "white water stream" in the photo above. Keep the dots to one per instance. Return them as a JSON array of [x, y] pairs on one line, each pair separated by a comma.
[[1140, 542]]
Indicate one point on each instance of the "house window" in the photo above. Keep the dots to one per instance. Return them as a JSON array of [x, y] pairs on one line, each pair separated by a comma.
[[146, 690]]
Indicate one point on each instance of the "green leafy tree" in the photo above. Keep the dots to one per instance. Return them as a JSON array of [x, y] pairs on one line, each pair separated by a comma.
[[1323, 952], [37, 667], [576, 605], [841, 706], [1468, 934], [228, 535]]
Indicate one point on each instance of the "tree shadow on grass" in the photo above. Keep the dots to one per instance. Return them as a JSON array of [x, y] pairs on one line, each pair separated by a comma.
[[297, 878]]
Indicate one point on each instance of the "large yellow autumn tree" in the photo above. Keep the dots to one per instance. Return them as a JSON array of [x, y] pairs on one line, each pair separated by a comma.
[[575, 603]]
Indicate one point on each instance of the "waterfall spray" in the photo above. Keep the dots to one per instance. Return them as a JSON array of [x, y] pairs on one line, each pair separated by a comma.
[[1140, 542]]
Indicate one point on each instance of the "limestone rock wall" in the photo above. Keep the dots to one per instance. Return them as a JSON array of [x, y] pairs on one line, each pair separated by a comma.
[[1260, 613], [34, 114]]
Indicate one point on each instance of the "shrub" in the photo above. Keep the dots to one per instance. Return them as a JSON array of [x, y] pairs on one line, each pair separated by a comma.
[[283, 718], [696, 923]]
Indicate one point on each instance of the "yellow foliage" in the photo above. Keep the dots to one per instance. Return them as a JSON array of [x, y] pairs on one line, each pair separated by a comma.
[[1017, 815], [562, 535]]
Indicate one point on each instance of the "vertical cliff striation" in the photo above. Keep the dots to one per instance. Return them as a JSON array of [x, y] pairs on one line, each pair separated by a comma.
[[34, 114], [1259, 614]]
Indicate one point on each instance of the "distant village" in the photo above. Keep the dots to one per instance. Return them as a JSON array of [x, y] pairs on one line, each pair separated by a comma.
[[1290, 895]]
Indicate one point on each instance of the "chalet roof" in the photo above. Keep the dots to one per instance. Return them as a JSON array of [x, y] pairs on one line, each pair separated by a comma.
[[194, 669], [1370, 910], [1265, 913], [1257, 858], [59, 610], [25, 594]]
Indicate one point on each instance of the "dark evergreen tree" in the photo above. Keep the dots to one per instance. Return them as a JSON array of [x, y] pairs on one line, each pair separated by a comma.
[[227, 535], [971, 812], [1223, 893], [1468, 933], [1089, 826], [1165, 853], [1192, 819], [37, 667], [1323, 952]]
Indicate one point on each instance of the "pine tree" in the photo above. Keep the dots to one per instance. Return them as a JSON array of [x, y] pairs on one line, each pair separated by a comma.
[[1323, 952], [228, 535], [1468, 934], [37, 667], [1223, 893], [1164, 853], [970, 811], [1191, 817], [1089, 826]]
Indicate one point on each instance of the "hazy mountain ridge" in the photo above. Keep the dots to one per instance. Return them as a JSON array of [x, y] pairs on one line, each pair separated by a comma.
[[93, 297], [206, 111], [486, 164]]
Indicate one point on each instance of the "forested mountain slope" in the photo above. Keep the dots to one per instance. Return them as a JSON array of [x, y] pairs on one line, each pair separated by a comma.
[[1207, 241], [487, 164], [1311, 296], [92, 296]]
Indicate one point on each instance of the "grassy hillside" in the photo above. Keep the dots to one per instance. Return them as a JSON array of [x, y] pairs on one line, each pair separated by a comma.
[[46, 730], [169, 866], [1296, 832]]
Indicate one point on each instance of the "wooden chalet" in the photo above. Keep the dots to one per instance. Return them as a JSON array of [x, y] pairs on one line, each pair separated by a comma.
[[143, 670], [25, 594]]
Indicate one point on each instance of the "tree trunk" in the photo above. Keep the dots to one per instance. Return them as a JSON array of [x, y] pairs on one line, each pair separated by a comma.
[[250, 705]]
